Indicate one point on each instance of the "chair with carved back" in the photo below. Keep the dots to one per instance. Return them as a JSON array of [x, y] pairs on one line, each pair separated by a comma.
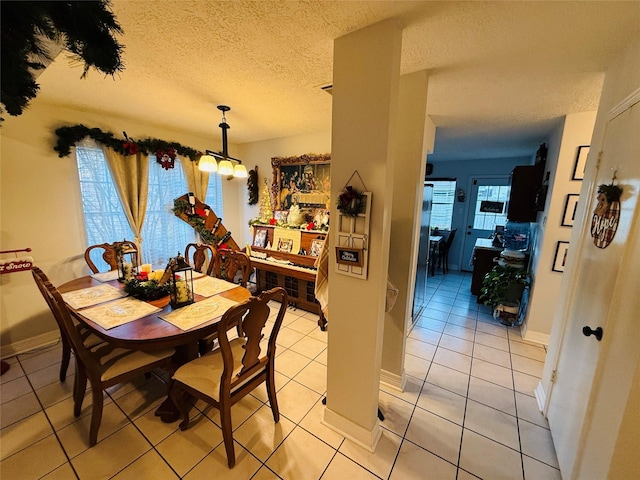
[[232, 265], [200, 256], [88, 338], [103, 364], [109, 255], [239, 365]]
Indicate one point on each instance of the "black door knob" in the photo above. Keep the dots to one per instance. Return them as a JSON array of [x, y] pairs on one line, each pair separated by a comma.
[[596, 333]]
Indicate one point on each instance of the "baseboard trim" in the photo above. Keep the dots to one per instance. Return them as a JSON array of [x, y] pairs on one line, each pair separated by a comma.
[[536, 337], [29, 344], [367, 439], [392, 380]]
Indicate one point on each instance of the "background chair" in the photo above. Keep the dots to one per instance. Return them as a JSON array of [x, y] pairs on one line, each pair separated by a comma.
[[225, 375], [108, 252], [103, 364], [443, 260], [200, 257], [233, 266]]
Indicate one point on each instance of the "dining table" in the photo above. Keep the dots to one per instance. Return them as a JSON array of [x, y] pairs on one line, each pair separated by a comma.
[[151, 331]]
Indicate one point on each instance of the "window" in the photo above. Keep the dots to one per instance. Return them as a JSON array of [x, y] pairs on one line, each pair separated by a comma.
[[444, 193], [163, 234], [498, 194]]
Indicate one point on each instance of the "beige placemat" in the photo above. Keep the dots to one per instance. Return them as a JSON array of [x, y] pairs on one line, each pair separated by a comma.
[[92, 296], [210, 286], [106, 276], [119, 312], [198, 313]]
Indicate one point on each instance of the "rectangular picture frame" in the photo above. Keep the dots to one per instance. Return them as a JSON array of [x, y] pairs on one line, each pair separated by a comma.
[[581, 162], [285, 245], [260, 239], [349, 256], [316, 246], [560, 258], [570, 207]]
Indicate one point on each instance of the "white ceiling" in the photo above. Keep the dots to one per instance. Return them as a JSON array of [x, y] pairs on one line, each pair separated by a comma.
[[501, 73]]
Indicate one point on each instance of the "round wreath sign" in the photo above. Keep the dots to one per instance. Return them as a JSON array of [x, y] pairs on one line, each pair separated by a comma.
[[350, 201]]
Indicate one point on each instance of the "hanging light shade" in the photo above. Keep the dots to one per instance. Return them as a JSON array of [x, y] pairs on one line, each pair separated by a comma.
[[240, 171], [207, 163], [225, 167]]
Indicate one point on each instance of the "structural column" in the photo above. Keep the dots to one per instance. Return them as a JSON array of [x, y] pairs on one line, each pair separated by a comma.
[[365, 90], [415, 139]]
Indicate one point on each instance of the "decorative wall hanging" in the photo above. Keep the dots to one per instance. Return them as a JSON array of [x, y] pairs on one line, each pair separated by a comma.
[[581, 162], [16, 264], [304, 180], [560, 258], [252, 186], [204, 221], [606, 214], [352, 230], [570, 206]]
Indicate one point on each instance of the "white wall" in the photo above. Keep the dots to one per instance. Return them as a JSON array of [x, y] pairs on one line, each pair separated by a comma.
[[41, 208], [576, 130]]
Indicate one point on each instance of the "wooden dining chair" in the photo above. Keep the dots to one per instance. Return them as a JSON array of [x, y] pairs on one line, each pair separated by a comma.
[[200, 257], [88, 338], [103, 364], [108, 252], [233, 266], [443, 259], [225, 375]]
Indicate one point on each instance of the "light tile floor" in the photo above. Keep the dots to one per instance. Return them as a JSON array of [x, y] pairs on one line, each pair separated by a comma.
[[468, 411]]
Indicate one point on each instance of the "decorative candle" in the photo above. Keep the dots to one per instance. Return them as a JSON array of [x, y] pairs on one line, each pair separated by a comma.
[[182, 294], [146, 267]]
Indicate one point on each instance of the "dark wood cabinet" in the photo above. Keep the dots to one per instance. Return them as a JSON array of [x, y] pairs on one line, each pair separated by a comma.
[[526, 183], [483, 254]]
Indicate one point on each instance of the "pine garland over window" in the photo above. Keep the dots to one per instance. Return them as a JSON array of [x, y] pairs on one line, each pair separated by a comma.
[[69, 136]]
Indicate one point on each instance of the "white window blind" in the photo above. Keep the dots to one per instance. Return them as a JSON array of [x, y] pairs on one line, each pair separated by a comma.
[[444, 192]]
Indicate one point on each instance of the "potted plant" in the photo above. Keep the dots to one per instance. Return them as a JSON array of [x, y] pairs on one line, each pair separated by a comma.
[[502, 290]]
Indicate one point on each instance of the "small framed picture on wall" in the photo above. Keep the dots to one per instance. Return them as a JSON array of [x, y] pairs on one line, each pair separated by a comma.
[[570, 206], [581, 162], [560, 258]]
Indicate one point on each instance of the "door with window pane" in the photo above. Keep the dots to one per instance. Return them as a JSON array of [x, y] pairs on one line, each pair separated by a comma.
[[487, 208]]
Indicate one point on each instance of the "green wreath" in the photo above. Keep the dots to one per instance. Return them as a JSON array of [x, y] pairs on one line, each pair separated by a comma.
[[350, 202]]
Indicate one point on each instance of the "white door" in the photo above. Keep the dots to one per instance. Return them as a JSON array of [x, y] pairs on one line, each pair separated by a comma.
[[588, 399], [482, 223]]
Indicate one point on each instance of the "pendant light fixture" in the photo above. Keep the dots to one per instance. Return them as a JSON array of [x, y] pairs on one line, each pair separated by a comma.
[[227, 165]]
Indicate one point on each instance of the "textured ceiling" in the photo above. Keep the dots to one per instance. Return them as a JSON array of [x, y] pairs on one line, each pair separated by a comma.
[[501, 73]]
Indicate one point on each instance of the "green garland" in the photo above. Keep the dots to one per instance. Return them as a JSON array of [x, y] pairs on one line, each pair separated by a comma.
[[88, 30], [146, 289], [69, 136], [196, 221]]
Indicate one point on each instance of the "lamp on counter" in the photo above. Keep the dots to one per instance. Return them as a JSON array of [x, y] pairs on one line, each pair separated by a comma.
[[181, 283], [229, 166]]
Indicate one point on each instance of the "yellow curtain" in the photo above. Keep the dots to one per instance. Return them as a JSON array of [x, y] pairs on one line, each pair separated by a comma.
[[197, 181], [131, 176]]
